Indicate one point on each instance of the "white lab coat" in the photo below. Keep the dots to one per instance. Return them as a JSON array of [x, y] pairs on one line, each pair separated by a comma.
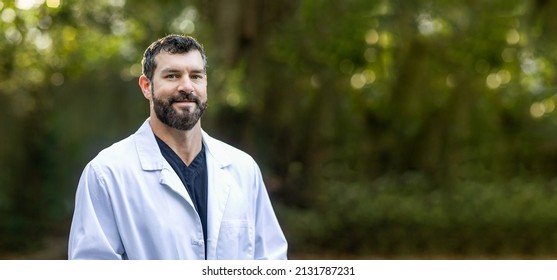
[[130, 204]]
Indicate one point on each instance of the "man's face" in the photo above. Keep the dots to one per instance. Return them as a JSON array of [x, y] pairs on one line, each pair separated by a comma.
[[179, 89]]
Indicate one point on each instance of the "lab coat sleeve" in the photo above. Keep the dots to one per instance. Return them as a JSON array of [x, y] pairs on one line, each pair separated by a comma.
[[270, 242], [94, 232]]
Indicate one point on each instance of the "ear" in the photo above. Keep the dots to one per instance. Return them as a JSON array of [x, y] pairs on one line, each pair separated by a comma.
[[145, 86]]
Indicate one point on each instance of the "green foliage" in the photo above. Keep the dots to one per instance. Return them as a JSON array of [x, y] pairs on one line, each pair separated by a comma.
[[404, 217]]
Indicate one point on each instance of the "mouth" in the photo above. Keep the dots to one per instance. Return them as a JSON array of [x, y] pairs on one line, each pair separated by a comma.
[[184, 101], [184, 105], [187, 98]]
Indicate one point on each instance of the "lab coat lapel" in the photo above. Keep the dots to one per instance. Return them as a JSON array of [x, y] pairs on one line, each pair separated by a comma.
[[170, 179], [152, 160]]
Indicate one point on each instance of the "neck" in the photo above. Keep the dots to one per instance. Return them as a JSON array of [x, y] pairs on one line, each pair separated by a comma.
[[186, 144]]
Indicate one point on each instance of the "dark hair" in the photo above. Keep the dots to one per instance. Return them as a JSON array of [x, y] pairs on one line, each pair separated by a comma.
[[174, 44]]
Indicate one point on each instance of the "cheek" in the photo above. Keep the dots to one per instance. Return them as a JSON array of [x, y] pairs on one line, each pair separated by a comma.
[[202, 92], [162, 91]]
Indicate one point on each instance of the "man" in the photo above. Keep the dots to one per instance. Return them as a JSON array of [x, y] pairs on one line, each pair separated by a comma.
[[170, 191]]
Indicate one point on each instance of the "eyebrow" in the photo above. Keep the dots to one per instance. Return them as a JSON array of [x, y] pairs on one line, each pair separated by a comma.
[[198, 71], [170, 70], [174, 70]]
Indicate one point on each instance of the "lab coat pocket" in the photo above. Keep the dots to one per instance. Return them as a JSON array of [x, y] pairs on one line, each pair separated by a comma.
[[236, 240]]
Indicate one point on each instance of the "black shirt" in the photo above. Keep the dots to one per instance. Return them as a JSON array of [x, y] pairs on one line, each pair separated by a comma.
[[194, 178]]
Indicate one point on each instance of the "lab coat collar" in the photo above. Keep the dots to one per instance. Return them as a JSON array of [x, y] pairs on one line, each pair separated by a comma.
[[152, 159]]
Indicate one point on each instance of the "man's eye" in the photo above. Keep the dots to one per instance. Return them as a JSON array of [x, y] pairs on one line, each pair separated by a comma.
[[196, 77], [172, 76]]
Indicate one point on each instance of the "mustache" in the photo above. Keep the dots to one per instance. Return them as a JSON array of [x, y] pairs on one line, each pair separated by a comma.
[[185, 96]]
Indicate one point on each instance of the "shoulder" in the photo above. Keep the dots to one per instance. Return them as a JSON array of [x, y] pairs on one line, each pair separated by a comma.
[[115, 160], [241, 166], [118, 151], [128, 149]]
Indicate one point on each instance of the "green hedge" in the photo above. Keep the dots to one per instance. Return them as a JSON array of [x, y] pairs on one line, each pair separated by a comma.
[[401, 217]]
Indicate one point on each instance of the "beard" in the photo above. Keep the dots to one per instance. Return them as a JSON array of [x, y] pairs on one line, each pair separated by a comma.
[[181, 119]]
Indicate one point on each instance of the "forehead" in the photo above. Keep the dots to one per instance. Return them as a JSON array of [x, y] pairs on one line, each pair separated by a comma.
[[188, 60]]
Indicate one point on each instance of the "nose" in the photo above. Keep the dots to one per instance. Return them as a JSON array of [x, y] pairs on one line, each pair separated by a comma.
[[186, 84]]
